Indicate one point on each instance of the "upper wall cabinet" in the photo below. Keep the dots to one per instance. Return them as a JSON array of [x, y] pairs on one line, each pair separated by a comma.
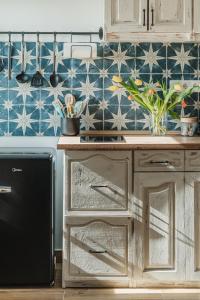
[[126, 15], [172, 16], [197, 19], [151, 20]]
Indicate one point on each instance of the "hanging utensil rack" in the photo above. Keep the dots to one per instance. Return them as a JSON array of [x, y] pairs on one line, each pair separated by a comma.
[[100, 34], [72, 33]]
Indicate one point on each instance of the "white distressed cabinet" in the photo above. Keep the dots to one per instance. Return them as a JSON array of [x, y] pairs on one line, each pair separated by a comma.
[[132, 224], [97, 252], [126, 15], [151, 20], [97, 224], [171, 16], [191, 239], [98, 181], [159, 211]]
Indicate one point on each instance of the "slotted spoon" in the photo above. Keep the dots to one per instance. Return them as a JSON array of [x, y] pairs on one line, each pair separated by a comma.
[[37, 80]]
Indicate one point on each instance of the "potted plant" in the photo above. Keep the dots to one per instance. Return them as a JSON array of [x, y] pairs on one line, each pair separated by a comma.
[[156, 98], [188, 124], [70, 113]]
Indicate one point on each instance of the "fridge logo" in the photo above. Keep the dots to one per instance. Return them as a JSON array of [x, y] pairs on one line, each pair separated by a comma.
[[16, 170]]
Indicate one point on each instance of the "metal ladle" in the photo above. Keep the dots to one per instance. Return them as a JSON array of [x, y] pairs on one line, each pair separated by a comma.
[[37, 80], [22, 77], [55, 78]]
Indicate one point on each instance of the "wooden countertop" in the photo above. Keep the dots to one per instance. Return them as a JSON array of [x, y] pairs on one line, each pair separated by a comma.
[[133, 142]]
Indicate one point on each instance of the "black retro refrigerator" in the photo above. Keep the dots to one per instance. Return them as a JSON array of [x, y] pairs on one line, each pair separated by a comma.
[[26, 219]]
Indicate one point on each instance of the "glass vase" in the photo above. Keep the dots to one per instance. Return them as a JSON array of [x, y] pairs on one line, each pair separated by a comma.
[[158, 124]]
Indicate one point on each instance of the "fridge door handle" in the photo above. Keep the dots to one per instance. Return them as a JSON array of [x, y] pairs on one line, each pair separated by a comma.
[[5, 189]]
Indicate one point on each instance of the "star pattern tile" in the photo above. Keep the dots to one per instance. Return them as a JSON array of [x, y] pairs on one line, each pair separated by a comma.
[[25, 110], [119, 120], [182, 58], [150, 58], [23, 121]]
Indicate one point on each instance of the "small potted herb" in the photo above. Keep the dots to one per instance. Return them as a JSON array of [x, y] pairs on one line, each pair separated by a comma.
[[70, 113], [188, 124]]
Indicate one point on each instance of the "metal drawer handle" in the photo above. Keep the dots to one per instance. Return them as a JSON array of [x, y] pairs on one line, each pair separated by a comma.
[[152, 17], [98, 186], [161, 162], [144, 17], [5, 189], [98, 252]]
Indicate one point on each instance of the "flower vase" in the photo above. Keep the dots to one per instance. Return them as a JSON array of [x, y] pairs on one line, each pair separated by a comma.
[[158, 124]]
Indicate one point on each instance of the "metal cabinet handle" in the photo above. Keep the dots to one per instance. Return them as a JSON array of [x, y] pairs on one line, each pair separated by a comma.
[[5, 189], [152, 17], [98, 252], [98, 186], [161, 162], [144, 17]]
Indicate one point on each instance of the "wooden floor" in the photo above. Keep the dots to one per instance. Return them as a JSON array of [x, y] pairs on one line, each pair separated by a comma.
[[98, 294], [57, 293]]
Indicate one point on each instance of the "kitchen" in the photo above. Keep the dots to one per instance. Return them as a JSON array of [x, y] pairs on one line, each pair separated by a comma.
[[115, 198]]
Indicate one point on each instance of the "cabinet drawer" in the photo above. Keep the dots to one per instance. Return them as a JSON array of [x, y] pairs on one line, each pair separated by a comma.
[[156, 160], [96, 249], [98, 180], [192, 160]]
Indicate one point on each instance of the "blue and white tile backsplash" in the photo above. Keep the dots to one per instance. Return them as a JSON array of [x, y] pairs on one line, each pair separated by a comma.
[[25, 110]]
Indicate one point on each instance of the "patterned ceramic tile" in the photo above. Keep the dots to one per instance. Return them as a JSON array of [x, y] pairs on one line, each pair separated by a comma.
[[92, 119], [117, 57], [151, 57], [25, 110], [182, 58]]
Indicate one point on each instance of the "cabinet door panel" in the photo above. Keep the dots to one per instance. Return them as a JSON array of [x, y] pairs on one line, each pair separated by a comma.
[[192, 226], [171, 16], [96, 252], [95, 248], [98, 180], [159, 255], [125, 15]]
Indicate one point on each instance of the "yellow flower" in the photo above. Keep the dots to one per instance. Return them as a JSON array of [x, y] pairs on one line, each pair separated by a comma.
[[130, 97], [117, 79], [178, 87], [113, 88], [138, 82], [157, 84], [151, 92]]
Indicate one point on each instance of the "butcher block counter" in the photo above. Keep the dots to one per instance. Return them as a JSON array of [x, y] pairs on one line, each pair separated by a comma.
[[132, 142]]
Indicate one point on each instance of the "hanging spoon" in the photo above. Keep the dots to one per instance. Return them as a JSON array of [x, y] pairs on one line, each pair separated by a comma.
[[23, 77], [37, 80], [55, 78]]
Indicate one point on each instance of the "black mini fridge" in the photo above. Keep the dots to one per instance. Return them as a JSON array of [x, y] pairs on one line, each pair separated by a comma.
[[26, 219]]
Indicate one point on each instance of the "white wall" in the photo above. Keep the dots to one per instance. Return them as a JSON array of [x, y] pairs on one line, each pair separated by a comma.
[[51, 15]]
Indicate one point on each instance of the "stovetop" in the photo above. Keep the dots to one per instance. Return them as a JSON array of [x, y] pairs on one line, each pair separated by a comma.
[[101, 139]]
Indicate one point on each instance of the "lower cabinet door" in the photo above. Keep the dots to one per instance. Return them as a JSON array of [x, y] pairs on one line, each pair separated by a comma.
[[159, 233], [192, 227], [96, 252]]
